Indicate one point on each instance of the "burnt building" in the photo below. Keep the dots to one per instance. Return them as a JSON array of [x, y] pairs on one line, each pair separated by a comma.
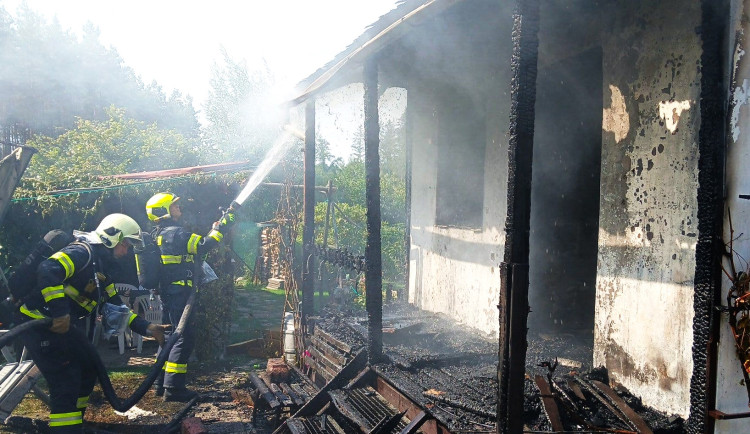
[[571, 162]]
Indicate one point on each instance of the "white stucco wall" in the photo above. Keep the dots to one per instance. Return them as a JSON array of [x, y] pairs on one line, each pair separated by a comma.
[[648, 225], [731, 394], [455, 270]]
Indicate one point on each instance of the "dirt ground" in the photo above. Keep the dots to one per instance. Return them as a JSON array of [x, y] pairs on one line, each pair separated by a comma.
[[224, 406]]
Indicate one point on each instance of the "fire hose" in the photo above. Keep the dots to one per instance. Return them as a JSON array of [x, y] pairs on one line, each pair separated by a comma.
[[80, 338]]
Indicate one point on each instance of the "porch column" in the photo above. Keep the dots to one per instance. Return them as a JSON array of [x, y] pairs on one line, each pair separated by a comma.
[[711, 182], [514, 271], [373, 271], [308, 283]]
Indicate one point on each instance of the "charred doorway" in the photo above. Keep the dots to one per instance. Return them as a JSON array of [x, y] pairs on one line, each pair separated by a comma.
[[565, 199]]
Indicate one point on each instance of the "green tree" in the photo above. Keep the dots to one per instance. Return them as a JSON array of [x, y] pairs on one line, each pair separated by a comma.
[[351, 211], [242, 123], [50, 77], [98, 148]]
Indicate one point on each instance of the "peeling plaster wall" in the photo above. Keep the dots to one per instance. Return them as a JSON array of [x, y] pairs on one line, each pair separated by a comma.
[[454, 270], [731, 394], [647, 224]]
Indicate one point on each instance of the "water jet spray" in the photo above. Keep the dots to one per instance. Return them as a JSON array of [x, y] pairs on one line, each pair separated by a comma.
[[280, 147]]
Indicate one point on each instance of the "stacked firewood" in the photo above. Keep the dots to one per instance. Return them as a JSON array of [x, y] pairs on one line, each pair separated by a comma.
[[270, 252]]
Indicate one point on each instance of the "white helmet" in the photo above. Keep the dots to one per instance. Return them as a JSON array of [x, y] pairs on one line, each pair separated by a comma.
[[115, 227]]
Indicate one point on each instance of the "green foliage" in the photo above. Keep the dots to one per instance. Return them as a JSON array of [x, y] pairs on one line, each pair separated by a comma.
[[117, 145], [351, 211]]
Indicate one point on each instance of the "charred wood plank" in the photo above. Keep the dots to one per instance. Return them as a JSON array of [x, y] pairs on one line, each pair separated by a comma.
[[319, 369], [550, 405], [604, 401], [321, 398], [281, 396], [339, 400], [361, 379], [302, 393], [637, 421], [322, 359], [342, 346], [291, 393], [264, 391], [387, 423], [470, 407], [330, 351], [296, 426], [576, 389], [304, 377], [415, 423]]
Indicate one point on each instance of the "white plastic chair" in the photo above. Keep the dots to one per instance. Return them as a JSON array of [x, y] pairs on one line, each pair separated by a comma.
[[148, 309], [123, 333]]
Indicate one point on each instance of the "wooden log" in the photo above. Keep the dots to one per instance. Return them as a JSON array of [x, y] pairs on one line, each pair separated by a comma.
[[264, 391]]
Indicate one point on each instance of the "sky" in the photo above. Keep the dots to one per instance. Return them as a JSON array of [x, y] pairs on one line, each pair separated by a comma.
[[175, 42]]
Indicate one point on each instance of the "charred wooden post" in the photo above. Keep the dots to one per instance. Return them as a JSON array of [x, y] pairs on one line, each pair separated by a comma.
[[711, 183], [373, 270], [308, 282], [514, 271]]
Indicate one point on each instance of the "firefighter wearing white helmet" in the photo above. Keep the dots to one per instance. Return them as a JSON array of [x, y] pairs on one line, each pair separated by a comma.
[[116, 227], [179, 251], [72, 286]]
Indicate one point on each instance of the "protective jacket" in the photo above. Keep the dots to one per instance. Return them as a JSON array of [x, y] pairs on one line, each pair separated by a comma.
[[73, 281], [180, 249]]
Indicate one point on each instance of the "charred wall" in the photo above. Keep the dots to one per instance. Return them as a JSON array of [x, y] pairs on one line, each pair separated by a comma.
[[648, 210], [461, 55]]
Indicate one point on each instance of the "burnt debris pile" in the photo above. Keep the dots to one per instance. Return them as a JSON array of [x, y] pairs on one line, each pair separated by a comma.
[[437, 374], [584, 402]]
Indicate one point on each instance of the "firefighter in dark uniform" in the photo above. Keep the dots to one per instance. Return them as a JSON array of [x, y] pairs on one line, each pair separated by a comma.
[[72, 284], [180, 251]]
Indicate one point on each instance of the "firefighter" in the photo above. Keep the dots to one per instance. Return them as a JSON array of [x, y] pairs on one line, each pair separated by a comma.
[[72, 284], [180, 251]]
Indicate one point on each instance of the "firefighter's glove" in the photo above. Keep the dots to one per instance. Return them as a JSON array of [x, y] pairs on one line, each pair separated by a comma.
[[227, 220], [157, 331], [60, 324]]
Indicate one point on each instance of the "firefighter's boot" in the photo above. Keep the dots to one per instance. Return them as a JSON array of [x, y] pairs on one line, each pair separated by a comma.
[[179, 394], [159, 385]]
